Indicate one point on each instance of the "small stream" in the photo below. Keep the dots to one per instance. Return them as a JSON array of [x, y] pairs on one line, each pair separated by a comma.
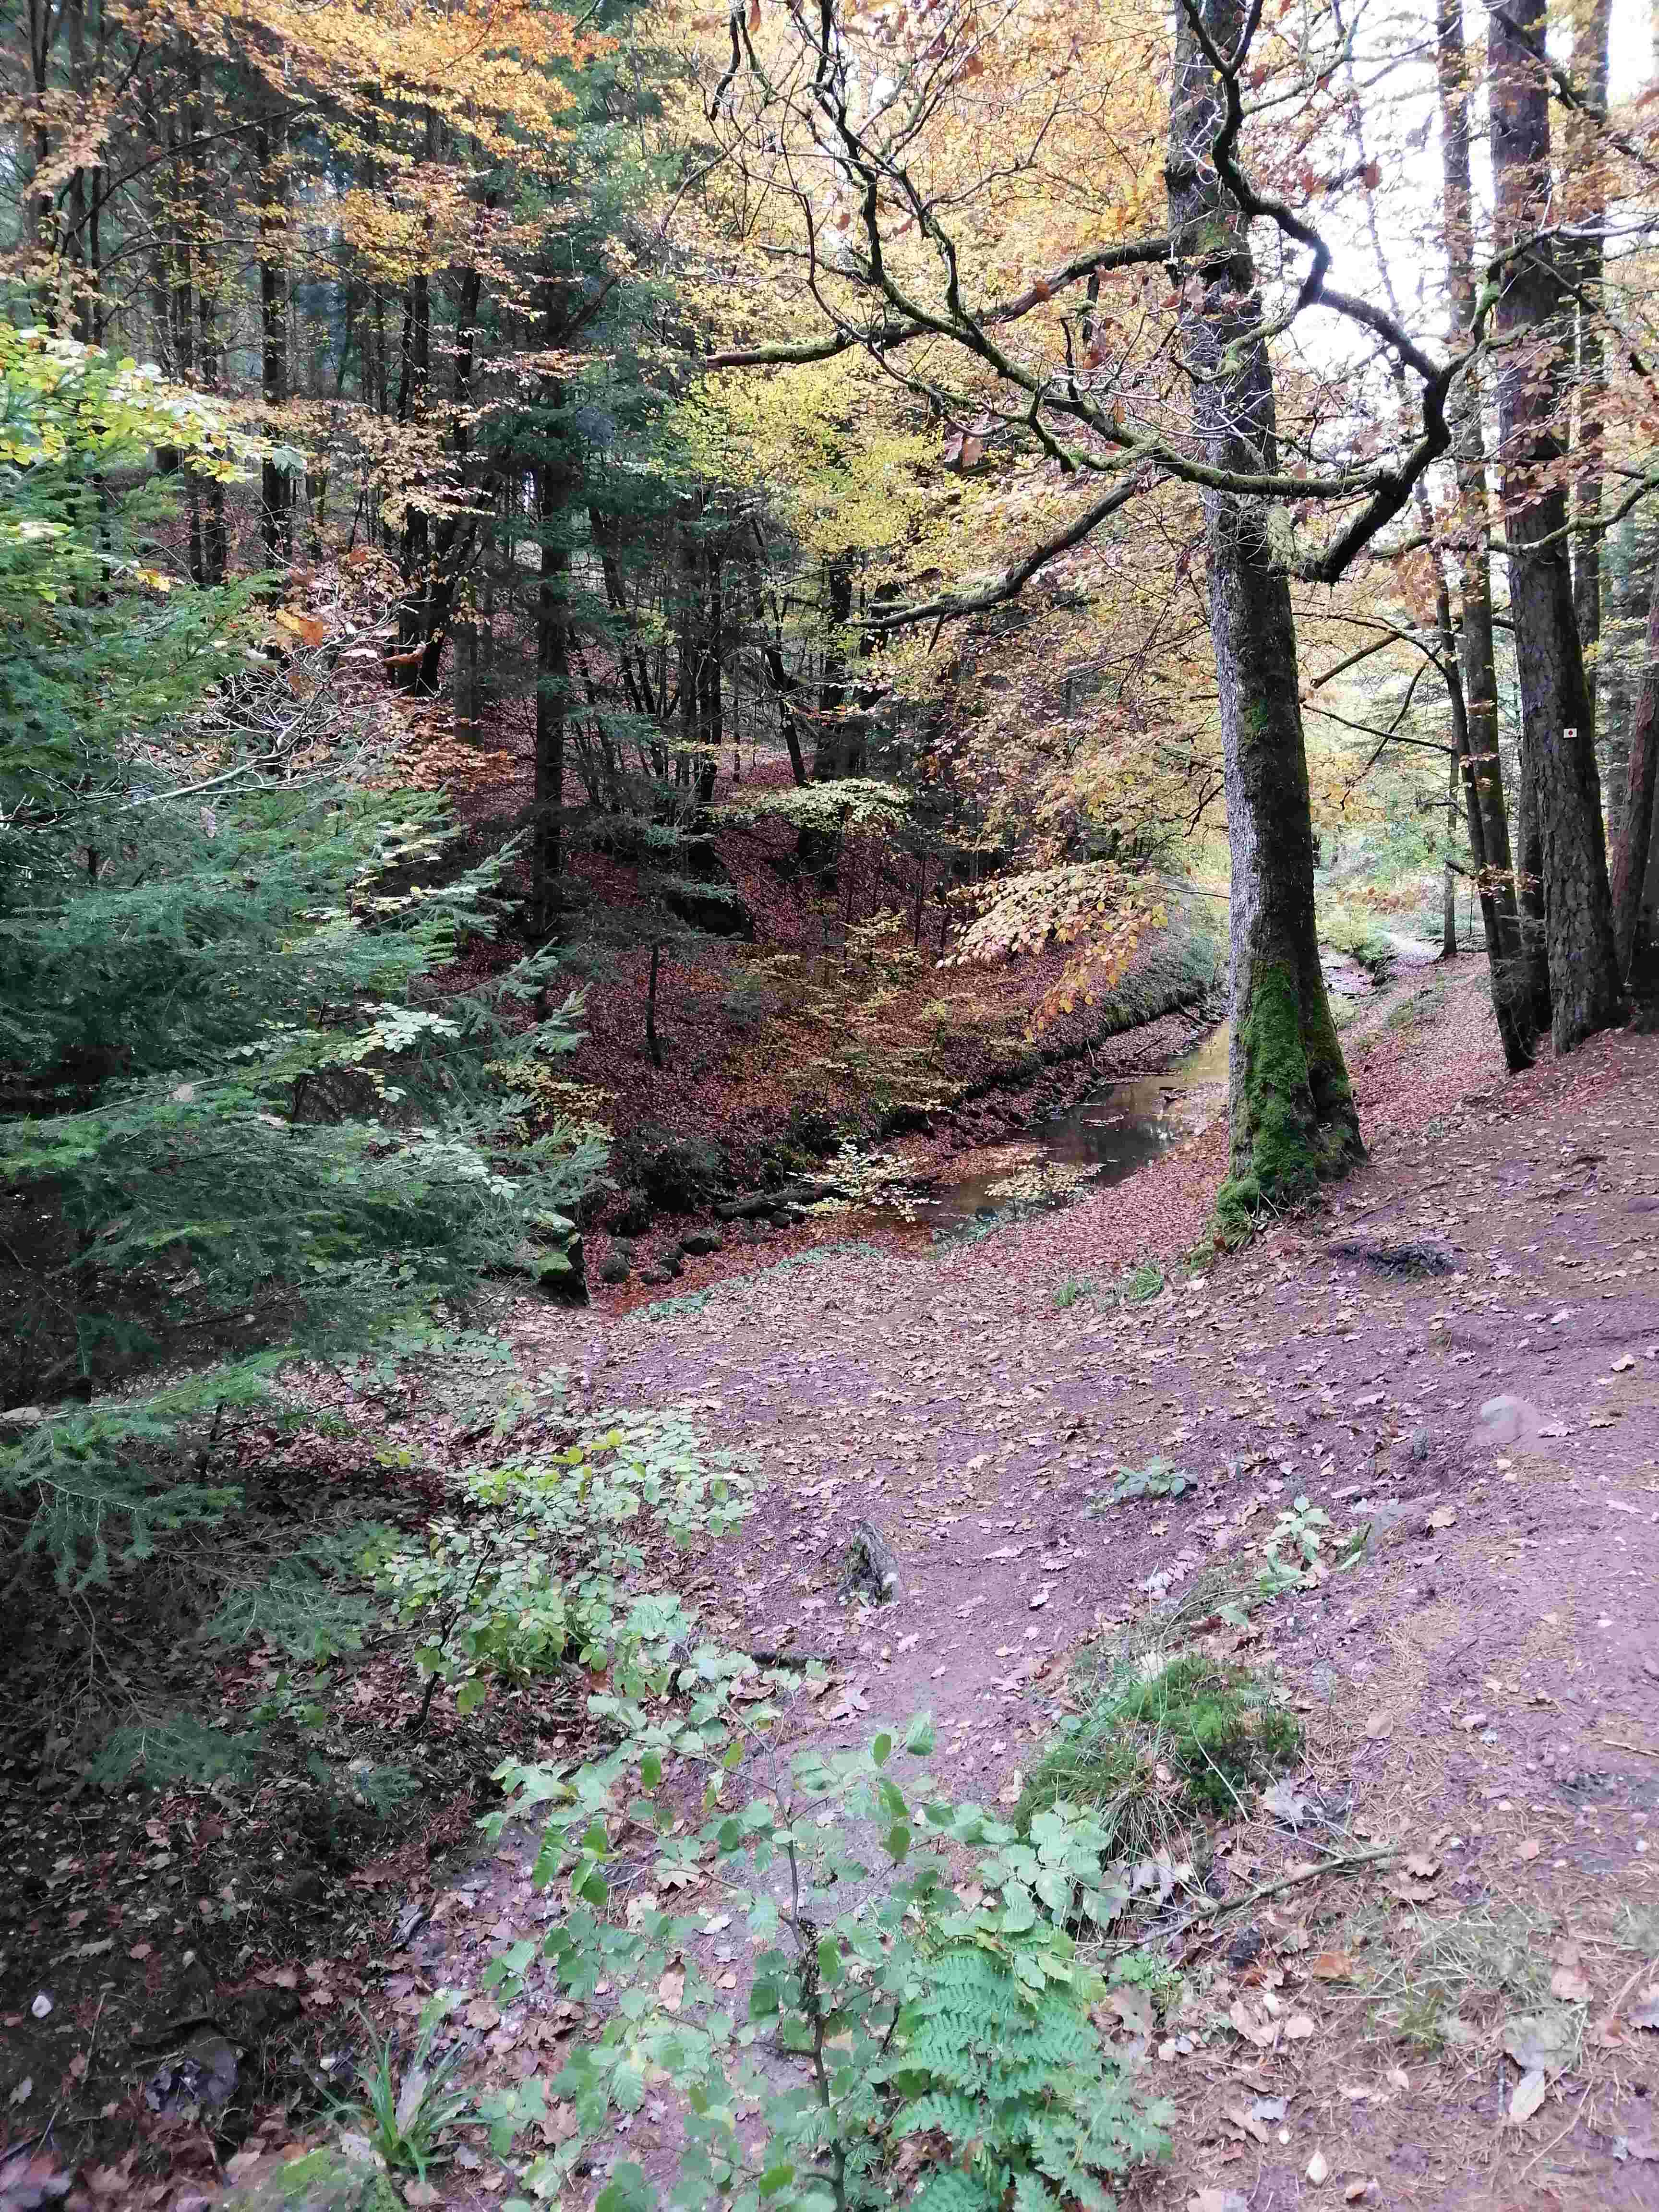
[[1104, 1138], [1121, 1127]]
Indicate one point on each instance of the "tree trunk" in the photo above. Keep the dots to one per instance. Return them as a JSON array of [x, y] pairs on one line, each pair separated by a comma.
[[1449, 886], [838, 749], [1563, 793], [1630, 856], [1290, 1105], [276, 486], [1519, 969], [1587, 178], [552, 687]]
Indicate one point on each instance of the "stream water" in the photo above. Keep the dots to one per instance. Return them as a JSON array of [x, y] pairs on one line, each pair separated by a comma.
[[1103, 1138]]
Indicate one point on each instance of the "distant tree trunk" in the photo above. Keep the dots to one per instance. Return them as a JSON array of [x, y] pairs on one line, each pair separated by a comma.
[[1635, 842], [838, 749], [1290, 1105], [1563, 819], [712, 710], [1585, 172], [552, 687], [651, 1010], [1449, 886], [276, 485], [1519, 969], [209, 346]]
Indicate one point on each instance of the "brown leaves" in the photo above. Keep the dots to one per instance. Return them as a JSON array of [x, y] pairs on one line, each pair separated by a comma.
[[1333, 1967]]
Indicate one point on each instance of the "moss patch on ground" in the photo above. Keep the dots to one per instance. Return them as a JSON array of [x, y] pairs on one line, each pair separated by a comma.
[[1161, 1745]]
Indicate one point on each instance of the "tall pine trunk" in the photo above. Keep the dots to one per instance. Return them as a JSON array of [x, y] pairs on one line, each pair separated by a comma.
[[1590, 23], [1635, 839], [1290, 1105], [276, 486], [1520, 974], [1563, 798], [552, 683]]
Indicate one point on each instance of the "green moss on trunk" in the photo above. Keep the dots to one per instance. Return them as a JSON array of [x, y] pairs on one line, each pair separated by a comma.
[[1294, 1124]]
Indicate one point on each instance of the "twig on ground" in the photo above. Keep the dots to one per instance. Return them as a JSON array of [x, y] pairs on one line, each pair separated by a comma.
[[1220, 1907]]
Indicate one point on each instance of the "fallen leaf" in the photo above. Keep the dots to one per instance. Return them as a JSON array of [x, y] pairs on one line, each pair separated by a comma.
[[1218, 2200], [1644, 2013], [1285, 1802], [1423, 1864], [1298, 2027], [1529, 1850], [1399, 2078], [1133, 2007], [1539, 2041], [1570, 1986], [1333, 1967], [1250, 2029], [1409, 1890], [23, 2092], [1529, 2096], [481, 2014], [1380, 1727], [1246, 2122], [671, 1988], [1355, 2192]]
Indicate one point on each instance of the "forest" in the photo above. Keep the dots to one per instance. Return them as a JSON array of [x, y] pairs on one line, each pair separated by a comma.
[[829, 1206]]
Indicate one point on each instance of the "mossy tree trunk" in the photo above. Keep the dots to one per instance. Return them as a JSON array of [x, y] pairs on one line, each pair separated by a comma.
[[1290, 1105]]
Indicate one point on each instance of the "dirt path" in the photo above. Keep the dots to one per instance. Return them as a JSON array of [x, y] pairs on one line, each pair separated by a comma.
[[1485, 1688]]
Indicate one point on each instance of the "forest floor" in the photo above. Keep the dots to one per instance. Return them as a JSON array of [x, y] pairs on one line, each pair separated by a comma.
[[1480, 1691]]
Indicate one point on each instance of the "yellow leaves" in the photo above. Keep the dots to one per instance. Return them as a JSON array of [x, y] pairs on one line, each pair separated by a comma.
[[489, 66]]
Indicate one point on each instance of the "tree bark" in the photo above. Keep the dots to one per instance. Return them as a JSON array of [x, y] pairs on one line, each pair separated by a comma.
[[1518, 966], [552, 686], [1563, 792], [1635, 842], [1587, 178], [276, 486], [1290, 1104]]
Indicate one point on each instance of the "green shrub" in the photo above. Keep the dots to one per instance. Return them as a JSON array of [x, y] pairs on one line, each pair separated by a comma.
[[948, 2031]]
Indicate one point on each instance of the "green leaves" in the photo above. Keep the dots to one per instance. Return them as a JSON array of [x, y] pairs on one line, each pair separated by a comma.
[[909, 2016]]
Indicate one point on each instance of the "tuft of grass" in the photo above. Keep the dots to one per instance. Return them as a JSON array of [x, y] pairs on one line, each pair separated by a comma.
[[1162, 1742], [406, 2113], [1071, 1289], [1142, 1285], [1483, 1957]]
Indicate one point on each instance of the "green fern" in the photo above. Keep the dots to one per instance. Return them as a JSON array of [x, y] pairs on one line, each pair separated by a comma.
[[1019, 2086]]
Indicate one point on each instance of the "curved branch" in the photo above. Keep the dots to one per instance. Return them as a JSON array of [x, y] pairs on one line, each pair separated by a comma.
[[951, 607]]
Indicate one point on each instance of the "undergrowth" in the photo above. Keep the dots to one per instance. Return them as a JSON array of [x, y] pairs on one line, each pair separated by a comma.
[[1155, 1749]]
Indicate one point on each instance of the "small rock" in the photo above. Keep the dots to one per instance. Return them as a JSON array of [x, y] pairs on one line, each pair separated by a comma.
[[205, 2077], [701, 1242], [1512, 1424], [1245, 1948]]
